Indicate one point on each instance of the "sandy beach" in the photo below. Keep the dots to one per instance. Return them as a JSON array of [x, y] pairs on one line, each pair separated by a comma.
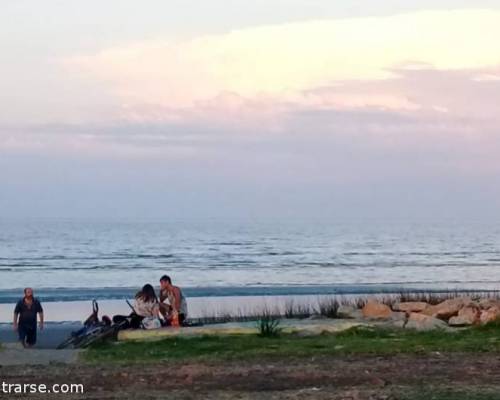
[[63, 317], [198, 307]]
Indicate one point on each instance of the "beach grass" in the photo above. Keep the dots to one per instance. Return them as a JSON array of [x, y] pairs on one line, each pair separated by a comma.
[[359, 340], [328, 306]]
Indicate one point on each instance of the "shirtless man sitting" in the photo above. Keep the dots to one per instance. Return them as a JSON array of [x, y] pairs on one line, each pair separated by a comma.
[[177, 304]]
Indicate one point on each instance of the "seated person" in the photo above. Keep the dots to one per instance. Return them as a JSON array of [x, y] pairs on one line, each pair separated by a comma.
[[146, 307], [177, 304]]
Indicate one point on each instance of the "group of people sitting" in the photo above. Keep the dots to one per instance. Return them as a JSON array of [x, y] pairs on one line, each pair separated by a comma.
[[151, 311]]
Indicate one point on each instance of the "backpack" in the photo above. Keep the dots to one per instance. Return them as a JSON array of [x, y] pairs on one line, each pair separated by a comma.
[[151, 323]]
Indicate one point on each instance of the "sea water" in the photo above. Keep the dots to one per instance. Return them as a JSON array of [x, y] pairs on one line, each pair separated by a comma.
[[76, 259]]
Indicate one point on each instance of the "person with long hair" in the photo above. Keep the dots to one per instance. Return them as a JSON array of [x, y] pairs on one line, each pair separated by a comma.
[[146, 310], [146, 303]]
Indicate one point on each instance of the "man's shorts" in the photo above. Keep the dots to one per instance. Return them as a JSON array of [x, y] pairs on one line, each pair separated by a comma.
[[27, 334]]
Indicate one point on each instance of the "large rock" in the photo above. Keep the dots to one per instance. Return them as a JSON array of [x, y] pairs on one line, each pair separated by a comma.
[[448, 308], [349, 312], [471, 312], [395, 320], [469, 315], [485, 304], [398, 316], [410, 306], [490, 315], [421, 322], [375, 310]]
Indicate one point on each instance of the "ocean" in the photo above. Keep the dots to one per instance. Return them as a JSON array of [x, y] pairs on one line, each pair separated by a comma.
[[78, 260]]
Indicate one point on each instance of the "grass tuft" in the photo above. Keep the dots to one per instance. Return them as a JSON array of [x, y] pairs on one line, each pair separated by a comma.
[[293, 309], [328, 307], [269, 325]]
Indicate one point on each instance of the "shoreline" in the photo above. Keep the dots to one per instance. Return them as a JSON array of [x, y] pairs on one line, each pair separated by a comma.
[[215, 306], [64, 317], [9, 296]]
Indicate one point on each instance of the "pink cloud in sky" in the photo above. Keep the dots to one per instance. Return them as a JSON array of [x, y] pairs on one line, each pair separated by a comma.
[[424, 84], [452, 122], [229, 73]]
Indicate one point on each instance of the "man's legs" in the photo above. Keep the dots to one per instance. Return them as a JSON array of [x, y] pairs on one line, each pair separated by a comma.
[[22, 334], [27, 334]]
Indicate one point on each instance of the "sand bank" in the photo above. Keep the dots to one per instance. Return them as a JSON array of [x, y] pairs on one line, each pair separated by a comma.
[[198, 307]]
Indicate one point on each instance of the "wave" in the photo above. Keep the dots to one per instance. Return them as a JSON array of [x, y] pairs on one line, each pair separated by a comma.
[[90, 258], [236, 243], [119, 293], [238, 265]]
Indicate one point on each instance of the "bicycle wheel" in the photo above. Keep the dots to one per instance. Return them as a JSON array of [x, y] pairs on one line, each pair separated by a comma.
[[96, 336], [69, 342]]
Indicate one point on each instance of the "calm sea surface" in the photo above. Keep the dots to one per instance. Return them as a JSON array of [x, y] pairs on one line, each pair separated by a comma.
[[277, 255]]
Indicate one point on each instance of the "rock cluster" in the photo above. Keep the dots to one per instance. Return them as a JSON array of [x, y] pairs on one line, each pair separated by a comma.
[[456, 312]]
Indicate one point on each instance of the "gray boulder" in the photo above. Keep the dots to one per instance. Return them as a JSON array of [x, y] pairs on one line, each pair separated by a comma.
[[349, 312], [421, 322]]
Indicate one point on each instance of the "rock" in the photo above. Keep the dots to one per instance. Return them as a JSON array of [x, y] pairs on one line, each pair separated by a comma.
[[349, 312], [395, 320], [375, 310], [486, 304], [490, 315], [471, 312], [459, 321], [448, 308], [466, 316], [397, 316], [391, 323], [320, 329], [410, 306], [422, 322]]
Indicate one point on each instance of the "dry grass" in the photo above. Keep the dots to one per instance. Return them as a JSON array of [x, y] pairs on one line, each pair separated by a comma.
[[327, 306]]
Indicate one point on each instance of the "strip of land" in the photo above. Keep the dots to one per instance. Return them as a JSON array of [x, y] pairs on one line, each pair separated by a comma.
[[362, 363], [314, 358]]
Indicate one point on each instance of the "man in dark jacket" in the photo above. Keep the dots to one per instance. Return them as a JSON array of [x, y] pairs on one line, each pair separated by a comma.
[[25, 318]]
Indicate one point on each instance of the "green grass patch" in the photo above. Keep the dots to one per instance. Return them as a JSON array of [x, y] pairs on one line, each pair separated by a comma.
[[353, 341]]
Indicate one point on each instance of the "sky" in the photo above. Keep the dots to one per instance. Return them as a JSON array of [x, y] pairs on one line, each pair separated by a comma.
[[270, 108]]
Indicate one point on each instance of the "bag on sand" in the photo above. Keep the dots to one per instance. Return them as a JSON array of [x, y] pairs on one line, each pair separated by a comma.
[[151, 323]]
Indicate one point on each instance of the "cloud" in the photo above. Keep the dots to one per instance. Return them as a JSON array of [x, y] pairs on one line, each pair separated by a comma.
[[280, 62], [419, 90], [451, 127]]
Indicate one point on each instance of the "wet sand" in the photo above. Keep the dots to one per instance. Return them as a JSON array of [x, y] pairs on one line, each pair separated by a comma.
[[198, 307], [64, 317], [50, 337]]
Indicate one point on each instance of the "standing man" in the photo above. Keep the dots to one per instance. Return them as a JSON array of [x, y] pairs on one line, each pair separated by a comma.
[[177, 306], [25, 318]]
